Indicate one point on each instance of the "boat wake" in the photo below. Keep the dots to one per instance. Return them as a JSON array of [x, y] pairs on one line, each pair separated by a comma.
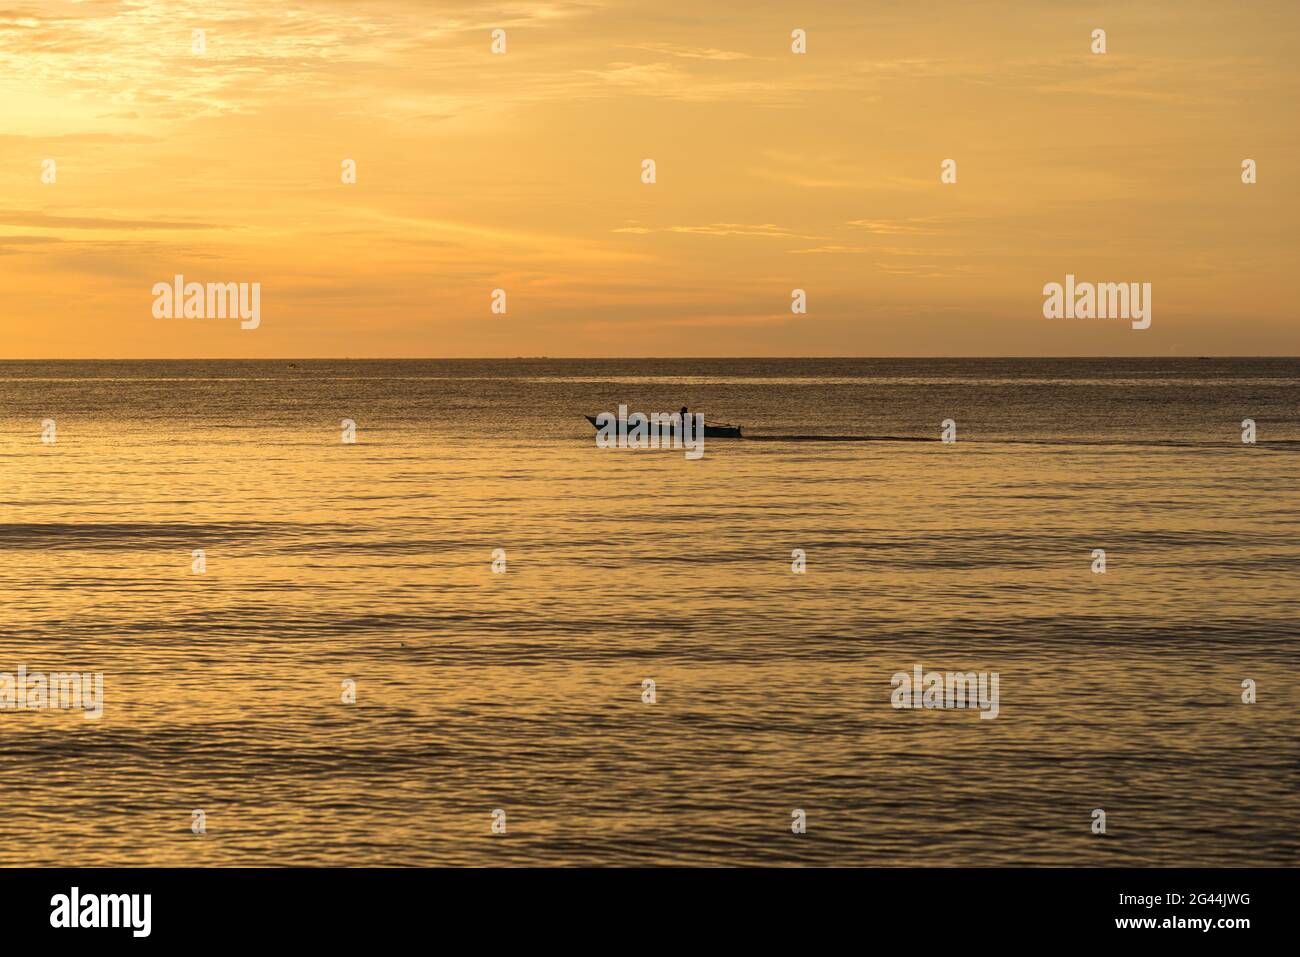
[[839, 438], [1277, 445]]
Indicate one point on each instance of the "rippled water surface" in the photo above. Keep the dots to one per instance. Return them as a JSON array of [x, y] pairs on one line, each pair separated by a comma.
[[523, 691]]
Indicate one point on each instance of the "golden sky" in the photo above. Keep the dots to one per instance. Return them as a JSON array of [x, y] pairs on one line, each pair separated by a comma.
[[522, 171]]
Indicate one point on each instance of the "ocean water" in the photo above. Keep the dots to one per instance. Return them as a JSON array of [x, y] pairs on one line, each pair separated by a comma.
[[371, 562]]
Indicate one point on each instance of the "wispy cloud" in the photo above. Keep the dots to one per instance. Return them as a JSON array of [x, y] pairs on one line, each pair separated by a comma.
[[44, 220]]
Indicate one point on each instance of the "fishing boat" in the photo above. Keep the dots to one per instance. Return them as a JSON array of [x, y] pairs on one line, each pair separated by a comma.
[[719, 431]]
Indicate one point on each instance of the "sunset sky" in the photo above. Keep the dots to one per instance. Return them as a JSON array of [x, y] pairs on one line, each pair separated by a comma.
[[522, 171]]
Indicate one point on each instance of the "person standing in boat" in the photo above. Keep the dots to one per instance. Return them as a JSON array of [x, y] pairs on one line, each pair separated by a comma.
[[682, 433]]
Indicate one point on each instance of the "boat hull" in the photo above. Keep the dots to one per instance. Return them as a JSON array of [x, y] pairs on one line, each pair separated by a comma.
[[710, 431]]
